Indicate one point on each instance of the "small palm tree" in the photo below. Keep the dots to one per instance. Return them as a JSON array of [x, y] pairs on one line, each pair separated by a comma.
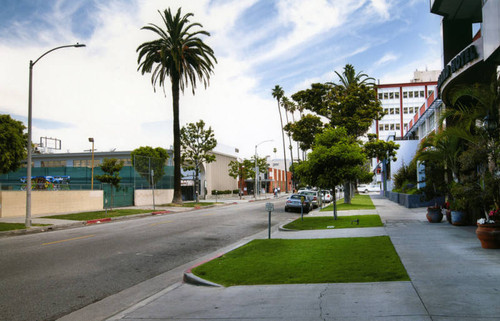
[[180, 55], [278, 93], [287, 106]]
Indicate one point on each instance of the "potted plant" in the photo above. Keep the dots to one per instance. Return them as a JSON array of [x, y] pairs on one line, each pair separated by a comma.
[[458, 207], [488, 230]]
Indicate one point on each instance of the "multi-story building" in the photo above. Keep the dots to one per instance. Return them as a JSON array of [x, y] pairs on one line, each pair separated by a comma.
[[401, 101]]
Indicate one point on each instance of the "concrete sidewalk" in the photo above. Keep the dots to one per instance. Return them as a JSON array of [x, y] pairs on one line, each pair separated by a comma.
[[452, 278]]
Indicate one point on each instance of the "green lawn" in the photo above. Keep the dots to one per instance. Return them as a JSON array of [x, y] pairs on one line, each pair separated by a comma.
[[16, 226], [279, 261], [358, 202], [327, 222], [86, 216]]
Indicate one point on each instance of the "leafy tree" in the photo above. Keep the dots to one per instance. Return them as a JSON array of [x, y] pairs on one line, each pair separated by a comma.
[[278, 93], [12, 144], [305, 130], [336, 158], [246, 168], [197, 144], [349, 77], [146, 159], [111, 168], [182, 56]]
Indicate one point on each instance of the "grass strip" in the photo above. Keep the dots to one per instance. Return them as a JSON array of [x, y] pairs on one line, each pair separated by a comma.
[[327, 222], [190, 204], [358, 202], [281, 261], [16, 226], [87, 216]]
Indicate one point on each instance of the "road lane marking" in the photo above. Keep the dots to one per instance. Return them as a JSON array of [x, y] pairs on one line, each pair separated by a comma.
[[66, 240], [165, 222]]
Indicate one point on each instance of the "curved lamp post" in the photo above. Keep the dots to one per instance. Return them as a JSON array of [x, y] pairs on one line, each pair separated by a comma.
[[28, 174], [257, 168]]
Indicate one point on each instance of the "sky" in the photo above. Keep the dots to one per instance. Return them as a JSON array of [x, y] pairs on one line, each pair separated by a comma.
[[96, 91]]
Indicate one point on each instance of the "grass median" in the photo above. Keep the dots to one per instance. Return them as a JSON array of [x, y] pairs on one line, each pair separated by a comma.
[[87, 216], [280, 261], [358, 202], [327, 222], [16, 226]]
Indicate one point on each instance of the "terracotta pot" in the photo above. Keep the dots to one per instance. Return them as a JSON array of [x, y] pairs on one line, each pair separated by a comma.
[[489, 235], [458, 218], [434, 215]]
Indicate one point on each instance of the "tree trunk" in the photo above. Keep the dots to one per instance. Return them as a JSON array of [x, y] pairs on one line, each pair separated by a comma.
[[177, 144], [290, 146], [347, 193], [284, 149]]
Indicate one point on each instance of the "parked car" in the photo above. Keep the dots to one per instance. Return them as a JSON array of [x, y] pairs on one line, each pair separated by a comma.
[[326, 196], [313, 197], [294, 202], [365, 188]]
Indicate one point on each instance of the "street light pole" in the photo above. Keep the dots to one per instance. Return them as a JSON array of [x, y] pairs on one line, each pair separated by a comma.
[[91, 139], [30, 98], [257, 168]]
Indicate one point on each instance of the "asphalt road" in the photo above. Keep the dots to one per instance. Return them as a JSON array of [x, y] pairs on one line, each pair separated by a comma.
[[48, 275]]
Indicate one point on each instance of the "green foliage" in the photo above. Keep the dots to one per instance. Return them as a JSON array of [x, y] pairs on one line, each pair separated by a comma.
[[246, 168], [305, 130], [146, 158], [12, 144], [111, 167], [223, 192], [406, 177], [197, 145], [376, 148], [335, 158]]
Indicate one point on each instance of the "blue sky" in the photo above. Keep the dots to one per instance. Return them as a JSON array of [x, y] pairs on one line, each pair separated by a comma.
[[97, 92]]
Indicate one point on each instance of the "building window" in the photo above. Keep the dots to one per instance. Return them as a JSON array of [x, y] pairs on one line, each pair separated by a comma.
[[396, 95], [405, 94], [405, 110], [410, 110], [86, 163], [396, 110], [386, 95], [392, 127], [386, 126], [380, 127], [391, 95], [415, 94], [398, 126], [380, 96], [391, 111], [422, 94], [410, 94], [431, 92], [54, 163]]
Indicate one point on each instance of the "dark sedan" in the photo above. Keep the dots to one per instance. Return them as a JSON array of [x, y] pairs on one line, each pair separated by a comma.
[[294, 202]]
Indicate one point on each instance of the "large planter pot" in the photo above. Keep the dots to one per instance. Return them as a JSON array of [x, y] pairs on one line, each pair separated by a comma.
[[489, 235], [448, 216], [434, 215], [458, 218]]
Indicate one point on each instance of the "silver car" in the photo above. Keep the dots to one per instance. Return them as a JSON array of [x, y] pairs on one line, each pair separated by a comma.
[[313, 197], [294, 202]]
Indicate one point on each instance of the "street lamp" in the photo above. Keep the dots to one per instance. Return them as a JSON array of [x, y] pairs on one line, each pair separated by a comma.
[[257, 168], [28, 174], [91, 139]]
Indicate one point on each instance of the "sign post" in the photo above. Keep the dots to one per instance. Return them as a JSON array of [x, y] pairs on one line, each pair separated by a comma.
[[269, 208]]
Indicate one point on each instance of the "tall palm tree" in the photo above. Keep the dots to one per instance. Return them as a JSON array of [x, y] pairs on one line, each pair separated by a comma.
[[292, 107], [278, 93], [182, 56], [287, 105]]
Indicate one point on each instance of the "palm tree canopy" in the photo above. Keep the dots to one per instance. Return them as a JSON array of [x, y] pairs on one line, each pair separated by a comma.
[[178, 53], [278, 92], [349, 77]]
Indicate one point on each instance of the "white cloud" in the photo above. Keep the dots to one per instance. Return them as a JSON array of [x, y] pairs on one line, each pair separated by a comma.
[[387, 58]]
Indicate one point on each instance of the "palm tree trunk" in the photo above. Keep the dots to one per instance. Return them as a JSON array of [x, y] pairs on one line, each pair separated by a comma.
[[284, 149], [290, 146], [177, 144]]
